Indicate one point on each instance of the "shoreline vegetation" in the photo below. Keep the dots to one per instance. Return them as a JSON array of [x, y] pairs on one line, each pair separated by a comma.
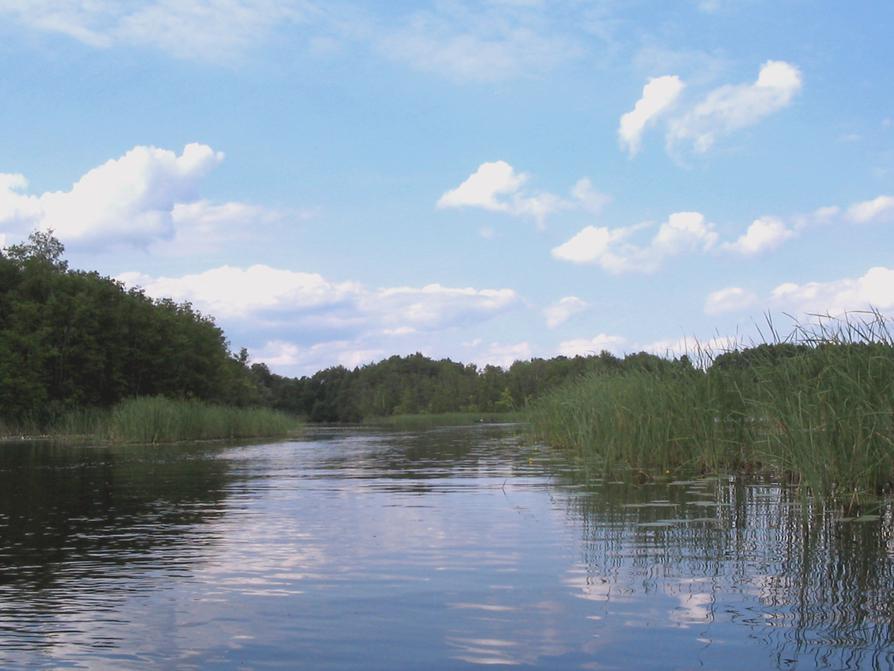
[[815, 408], [158, 420]]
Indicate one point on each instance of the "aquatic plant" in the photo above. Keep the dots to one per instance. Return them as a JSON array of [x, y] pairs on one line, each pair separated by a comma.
[[816, 406], [157, 419]]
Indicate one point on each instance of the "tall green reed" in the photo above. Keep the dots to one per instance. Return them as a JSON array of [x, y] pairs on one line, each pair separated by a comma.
[[157, 419], [815, 406]]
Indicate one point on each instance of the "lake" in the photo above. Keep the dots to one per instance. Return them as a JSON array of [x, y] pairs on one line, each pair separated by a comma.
[[444, 549]]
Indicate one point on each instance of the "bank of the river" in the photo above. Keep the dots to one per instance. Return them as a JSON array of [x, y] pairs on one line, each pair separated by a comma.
[[817, 410], [158, 419], [430, 420]]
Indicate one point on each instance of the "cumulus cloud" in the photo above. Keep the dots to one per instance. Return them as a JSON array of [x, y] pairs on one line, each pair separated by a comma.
[[763, 234], [497, 187], [148, 195], [659, 95], [486, 187], [610, 249], [207, 30], [593, 244], [591, 346], [562, 310], [731, 299], [436, 306], [229, 291], [874, 289], [293, 299], [733, 107], [877, 209]]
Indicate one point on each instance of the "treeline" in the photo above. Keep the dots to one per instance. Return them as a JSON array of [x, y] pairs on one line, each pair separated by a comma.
[[71, 339], [417, 384]]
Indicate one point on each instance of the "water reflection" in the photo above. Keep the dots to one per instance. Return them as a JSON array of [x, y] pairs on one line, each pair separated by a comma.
[[738, 560], [444, 549]]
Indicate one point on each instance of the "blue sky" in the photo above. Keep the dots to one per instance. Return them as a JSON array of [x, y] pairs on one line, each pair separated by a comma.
[[337, 182]]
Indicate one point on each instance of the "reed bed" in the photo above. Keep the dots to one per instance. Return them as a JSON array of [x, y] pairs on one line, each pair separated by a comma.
[[815, 407], [157, 419]]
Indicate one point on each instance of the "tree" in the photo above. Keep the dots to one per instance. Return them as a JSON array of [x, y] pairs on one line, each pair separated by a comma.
[[42, 247]]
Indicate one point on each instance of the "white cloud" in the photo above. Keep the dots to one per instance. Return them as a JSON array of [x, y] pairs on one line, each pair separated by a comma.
[[762, 235], [288, 299], [299, 360], [593, 244], [561, 311], [683, 232], [485, 187], [731, 299], [497, 187], [436, 306], [592, 346], [880, 208], [822, 215], [589, 199], [207, 30], [228, 291], [873, 289], [148, 196], [733, 107], [203, 226], [503, 354], [659, 95]]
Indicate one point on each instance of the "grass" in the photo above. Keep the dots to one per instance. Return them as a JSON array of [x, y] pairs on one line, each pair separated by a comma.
[[157, 419], [410, 422], [816, 407]]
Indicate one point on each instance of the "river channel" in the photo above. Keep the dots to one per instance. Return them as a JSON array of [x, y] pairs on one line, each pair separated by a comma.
[[450, 548]]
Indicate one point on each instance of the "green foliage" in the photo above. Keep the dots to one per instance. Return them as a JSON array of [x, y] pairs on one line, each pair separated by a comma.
[[818, 408], [416, 385], [74, 339], [158, 419]]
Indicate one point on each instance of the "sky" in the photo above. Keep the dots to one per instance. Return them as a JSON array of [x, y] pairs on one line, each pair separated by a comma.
[[336, 182]]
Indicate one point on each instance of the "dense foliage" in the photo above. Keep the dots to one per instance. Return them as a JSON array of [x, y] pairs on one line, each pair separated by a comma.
[[417, 384], [72, 339]]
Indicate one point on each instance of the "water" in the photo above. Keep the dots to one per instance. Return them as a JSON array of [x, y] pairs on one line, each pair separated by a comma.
[[445, 549]]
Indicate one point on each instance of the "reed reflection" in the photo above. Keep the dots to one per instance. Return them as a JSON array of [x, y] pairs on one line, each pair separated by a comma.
[[810, 585]]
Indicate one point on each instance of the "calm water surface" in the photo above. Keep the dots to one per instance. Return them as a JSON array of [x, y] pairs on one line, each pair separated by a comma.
[[445, 549]]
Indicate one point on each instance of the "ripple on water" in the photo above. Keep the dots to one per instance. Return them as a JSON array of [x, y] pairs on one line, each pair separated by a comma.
[[352, 549]]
